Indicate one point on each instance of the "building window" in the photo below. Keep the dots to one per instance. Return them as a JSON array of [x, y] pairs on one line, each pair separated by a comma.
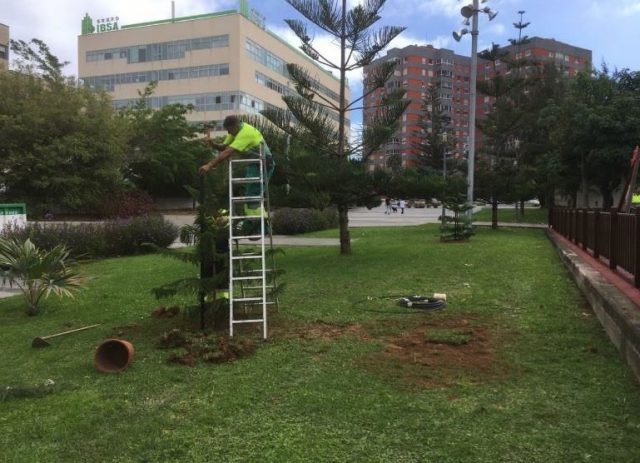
[[268, 59], [108, 82], [159, 51]]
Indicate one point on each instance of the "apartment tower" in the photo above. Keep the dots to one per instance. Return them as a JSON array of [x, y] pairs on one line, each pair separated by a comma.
[[418, 67]]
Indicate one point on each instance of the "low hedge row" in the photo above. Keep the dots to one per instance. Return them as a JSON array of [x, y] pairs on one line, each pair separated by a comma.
[[100, 239], [291, 221]]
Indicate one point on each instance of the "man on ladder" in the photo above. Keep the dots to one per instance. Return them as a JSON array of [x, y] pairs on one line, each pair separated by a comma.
[[244, 138], [241, 138]]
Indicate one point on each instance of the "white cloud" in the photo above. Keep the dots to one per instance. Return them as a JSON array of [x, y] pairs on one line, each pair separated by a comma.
[[496, 29], [630, 7], [449, 8], [620, 8]]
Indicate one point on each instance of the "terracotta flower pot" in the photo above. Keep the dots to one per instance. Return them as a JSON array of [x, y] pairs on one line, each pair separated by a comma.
[[113, 355]]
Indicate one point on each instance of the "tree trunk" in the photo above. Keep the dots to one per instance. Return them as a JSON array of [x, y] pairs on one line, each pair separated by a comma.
[[345, 237], [494, 213]]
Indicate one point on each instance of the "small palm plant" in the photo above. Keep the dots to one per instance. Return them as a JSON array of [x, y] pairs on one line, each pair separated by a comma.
[[37, 272]]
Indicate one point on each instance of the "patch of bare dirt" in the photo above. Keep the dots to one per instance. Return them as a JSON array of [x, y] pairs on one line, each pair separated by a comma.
[[412, 360], [191, 348]]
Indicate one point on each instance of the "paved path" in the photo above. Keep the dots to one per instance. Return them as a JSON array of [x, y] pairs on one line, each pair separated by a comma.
[[7, 291]]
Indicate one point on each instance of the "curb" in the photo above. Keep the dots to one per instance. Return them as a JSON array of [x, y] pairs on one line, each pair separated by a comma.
[[618, 314]]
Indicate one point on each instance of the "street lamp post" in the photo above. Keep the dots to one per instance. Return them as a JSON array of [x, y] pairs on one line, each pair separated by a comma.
[[471, 12], [444, 179]]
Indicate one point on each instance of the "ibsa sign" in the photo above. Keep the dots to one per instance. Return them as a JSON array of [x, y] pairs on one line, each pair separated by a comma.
[[102, 25], [107, 24]]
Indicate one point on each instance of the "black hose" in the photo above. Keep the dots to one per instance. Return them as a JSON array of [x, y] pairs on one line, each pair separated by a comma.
[[422, 302], [410, 302]]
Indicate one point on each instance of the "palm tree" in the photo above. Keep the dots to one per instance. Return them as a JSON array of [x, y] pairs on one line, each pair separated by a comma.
[[37, 272]]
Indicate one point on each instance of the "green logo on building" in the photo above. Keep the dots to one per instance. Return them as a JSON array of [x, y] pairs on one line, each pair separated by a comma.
[[87, 25], [103, 25]]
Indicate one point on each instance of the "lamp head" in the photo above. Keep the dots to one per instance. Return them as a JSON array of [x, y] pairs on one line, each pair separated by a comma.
[[492, 14], [458, 35], [467, 11]]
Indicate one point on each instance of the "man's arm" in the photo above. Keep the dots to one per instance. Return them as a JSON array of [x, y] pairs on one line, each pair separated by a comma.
[[223, 156], [214, 145]]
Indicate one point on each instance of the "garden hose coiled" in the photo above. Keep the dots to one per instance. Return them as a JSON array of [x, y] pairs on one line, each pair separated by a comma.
[[422, 302]]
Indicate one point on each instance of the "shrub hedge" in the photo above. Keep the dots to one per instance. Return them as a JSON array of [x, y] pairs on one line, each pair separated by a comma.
[[291, 221], [100, 239]]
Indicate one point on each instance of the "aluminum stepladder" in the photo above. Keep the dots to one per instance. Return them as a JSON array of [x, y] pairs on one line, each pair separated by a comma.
[[248, 274]]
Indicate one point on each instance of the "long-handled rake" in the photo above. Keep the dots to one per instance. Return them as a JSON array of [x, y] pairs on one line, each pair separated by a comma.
[[42, 341]]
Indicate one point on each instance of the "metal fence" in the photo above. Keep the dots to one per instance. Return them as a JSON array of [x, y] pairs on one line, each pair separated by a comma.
[[609, 235]]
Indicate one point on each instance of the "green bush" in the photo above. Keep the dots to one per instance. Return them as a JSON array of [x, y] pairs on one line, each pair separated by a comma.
[[291, 221], [37, 272], [100, 239]]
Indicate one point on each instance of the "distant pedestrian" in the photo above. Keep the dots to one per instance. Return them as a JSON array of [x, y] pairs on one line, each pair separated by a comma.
[[387, 205], [402, 205]]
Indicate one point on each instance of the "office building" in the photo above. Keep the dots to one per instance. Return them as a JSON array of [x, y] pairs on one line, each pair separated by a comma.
[[419, 67], [220, 63], [4, 47]]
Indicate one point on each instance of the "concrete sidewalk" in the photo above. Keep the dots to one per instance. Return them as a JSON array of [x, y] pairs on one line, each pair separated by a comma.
[[7, 291]]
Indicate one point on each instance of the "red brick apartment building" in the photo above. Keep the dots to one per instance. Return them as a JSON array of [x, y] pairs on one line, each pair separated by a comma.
[[419, 67]]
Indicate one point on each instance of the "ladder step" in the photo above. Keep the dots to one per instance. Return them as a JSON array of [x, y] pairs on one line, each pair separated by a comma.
[[258, 287], [247, 256], [246, 237], [257, 320], [257, 277], [257, 303], [247, 299], [239, 180], [247, 160], [259, 271], [244, 217], [246, 198]]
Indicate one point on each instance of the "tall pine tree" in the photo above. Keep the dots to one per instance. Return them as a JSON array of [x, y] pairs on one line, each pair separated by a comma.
[[307, 117]]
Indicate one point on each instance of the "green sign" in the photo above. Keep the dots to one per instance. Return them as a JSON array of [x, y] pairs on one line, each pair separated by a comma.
[[102, 25], [87, 25], [13, 209]]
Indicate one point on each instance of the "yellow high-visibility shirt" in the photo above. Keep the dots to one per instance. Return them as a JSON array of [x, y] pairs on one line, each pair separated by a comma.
[[248, 137], [635, 199]]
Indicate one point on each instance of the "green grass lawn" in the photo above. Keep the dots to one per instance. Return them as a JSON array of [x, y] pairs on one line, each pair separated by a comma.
[[515, 369], [507, 215]]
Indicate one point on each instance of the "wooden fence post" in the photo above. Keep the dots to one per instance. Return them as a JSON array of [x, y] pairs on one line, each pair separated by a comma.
[[570, 220], [596, 227], [613, 241]]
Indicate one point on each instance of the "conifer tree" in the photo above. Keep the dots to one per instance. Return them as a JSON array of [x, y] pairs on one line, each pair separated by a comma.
[[308, 115]]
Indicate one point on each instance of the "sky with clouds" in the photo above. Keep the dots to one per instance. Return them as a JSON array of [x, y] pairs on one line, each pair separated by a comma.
[[607, 27]]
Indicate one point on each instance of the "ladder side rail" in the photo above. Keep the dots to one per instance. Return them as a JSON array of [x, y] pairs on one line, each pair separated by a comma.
[[231, 271], [262, 243], [267, 201]]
